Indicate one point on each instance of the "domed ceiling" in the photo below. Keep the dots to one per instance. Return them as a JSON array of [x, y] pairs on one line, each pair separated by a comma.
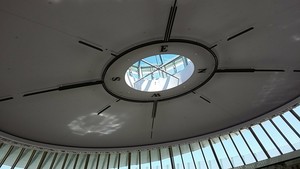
[[64, 64]]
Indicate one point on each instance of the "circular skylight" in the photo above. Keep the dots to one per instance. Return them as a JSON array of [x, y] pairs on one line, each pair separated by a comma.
[[159, 72]]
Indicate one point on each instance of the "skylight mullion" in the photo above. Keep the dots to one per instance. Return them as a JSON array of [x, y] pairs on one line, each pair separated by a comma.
[[283, 135], [6, 155], [271, 138], [289, 124], [232, 151], [288, 132], [180, 152], [292, 120], [18, 158], [225, 152], [172, 157], [192, 156], [210, 156], [295, 114], [206, 163], [256, 147], [240, 133], [42, 159], [265, 142]]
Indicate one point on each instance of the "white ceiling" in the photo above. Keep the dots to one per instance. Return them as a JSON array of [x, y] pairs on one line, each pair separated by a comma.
[[39, 49]]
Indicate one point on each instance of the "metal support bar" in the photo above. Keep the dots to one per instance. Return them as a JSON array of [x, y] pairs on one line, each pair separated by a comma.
[[150, 158], [119, 157], [270, 138], [159, 152], [290, 144], [237, 149], [214, 152], [295, 114], [181, 156], [289, 124], [53, 161], [108, 161], [129, 160], [260, 144], [248, 146], [192, 156], [42, 159], [203, 155], [6, 155], [140, 163], [226, 152], [75, 163], [18, 158], [87, 161], [171, 157], [97, 163], [65, 160], [30, 159]]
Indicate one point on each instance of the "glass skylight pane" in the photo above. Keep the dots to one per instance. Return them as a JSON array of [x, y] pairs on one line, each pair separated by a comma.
[[209, 156], [155, 162], [113, 161], [243, 148], [3, 151], [187, 157], [198, 156], [35, 160], [71, 161], [24, 158], [221, 155], [277, 137], [81, 161], [124, 161], [292, 120], [103, 161], [48, 160], [177, 157], [12, 156], [255, 147], [297, 110], [287, 131], [231, 151], [165, 158], [92, 161], [145, 159], [265, 140], [134, 160]]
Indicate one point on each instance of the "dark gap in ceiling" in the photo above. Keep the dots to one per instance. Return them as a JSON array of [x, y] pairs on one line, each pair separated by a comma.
[[240, 33], [40, 92], [170, 23], [5, 99], [89, 45], [77, 85], [247, 70], [105, 108], [213, 46], [205, 99]]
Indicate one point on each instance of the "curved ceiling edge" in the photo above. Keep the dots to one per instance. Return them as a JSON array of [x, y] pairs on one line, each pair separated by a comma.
[[27, 143]]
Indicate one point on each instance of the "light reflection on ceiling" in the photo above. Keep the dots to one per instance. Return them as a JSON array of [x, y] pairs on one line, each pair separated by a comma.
[[103, 124]]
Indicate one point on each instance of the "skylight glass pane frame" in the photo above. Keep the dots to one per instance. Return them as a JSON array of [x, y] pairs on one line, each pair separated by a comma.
[[287, 131], [220, 153], [266, 141], [198, 156], [243, 148], [231, 150], [209, 155]]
